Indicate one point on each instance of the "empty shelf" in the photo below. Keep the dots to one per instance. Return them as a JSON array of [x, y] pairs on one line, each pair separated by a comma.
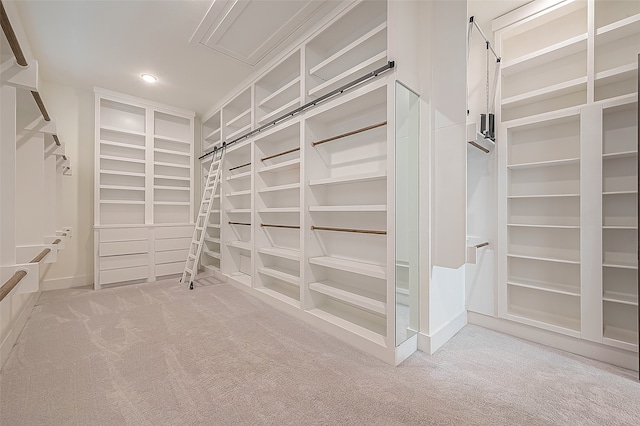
[[280, 210], [545, 259], [239, 175], [124, 159], [367, 269], [281, 252], [243, 245], [239, 131], [623, 298], [280, 167], [280, 188], [278, 92], [240, 278], [280, 111], [238, 117], [335, 81], [364, 177], [545, 286], [171, 139], [545, 93], [360, 208], [544, 163], [123, 145], [123, 130], [239, 211], [283, 274], [548, 54], [239, 193], [357, 297]]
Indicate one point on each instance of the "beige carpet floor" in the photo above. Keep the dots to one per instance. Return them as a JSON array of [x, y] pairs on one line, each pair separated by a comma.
[[158, 354]]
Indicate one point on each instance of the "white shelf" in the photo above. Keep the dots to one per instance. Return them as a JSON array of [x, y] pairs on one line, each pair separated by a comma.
[[628, 338], [634, 228], [544, 56], [281, 252], [339, 78], [243, 245], [620, 193], [545, 259], [280, 167], [278, 92], [352, 296], [122, 130], [364, 177], [129, 202], [239, 132], [619, 265], [238, 117], [210, 135], [345, 50], [177, 166], [373, 332], [124, 188], [614, 155], [117, 173], [169, 177], [279, 111], [280, 188], [548, 163], [367, 269], [212, 240], [172, 188], [354, 208], [281, 273], [526, 225], [170, 139], [171, 203], [618, 30], [544, 286], [240, 278], [239, 175], [123, 159], [617, 74], [545, 93], [623, 298], [232, 211], [557, 323], [122, 145], [544, 196], [213, 254], [239, 193], [172, 152], [280, 210]]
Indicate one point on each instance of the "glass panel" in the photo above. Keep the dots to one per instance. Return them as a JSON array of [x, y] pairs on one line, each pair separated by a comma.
[[406, 268]]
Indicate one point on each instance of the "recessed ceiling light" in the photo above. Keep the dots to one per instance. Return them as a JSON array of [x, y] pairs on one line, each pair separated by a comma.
[[149, 78]]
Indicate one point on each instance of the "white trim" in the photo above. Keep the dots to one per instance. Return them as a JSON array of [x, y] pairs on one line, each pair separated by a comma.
[[142, 103], [599, 352], [14, 331], [64, 283], [431, 343]]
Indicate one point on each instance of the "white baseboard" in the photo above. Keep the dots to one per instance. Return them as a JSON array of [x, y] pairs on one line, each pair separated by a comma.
[[62, 283], [431, 343], [7, 344], [597, 351]]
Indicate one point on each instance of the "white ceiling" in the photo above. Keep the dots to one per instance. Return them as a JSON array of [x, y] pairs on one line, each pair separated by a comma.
[[109, 43]]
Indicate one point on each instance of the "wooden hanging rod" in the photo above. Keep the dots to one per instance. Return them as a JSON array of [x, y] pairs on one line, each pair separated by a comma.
[[41, 255], [354, 132], [282, 153], [11, 37], [13, 281], [57, 241], [40, 103], [481, 148], [481, 245], [238, 167], [280, 226], [239, 223], [357, 231]]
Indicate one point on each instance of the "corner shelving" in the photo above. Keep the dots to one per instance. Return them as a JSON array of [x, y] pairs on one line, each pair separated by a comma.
[[278, 91]]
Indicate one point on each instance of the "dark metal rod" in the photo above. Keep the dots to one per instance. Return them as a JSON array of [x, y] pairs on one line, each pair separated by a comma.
[[240, 166], [486, 40], [306, 106], [40, 256], [481, 245], [13, 281], [344, 135], [357, 231], [278, 155], [11, 37], [481, 148], [40, 103], [239, 223], [280, 226]]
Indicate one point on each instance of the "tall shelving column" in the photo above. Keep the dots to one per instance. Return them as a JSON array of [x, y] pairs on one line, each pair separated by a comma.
[[345, 205], [277, 213], [236, 213]]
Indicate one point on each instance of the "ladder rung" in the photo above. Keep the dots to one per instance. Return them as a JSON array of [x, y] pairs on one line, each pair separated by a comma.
[[192, 256], [199, 228], [188, 270]]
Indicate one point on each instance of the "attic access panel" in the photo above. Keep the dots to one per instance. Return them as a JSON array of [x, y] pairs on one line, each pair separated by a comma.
[[248, 30]]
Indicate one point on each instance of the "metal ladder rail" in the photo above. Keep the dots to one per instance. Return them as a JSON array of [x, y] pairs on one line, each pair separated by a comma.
[[199, 231]]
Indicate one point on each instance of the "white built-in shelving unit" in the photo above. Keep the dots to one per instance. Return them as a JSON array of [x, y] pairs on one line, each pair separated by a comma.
[[304, 224], [568, 169], [144, 189]]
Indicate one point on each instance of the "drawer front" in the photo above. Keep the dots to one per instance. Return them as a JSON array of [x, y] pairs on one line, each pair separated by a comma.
[[171, 256], [124, 247], [163, 232], [126, 274], [123, 234], [123, 261], [170, 268], [173, 244]]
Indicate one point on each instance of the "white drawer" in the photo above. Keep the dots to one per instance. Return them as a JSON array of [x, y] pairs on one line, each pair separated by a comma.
[[174, 232], [171, 256], [124, 247], [123, 234], [124, 261], [126, 274], [173, 244], [170, 268]]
